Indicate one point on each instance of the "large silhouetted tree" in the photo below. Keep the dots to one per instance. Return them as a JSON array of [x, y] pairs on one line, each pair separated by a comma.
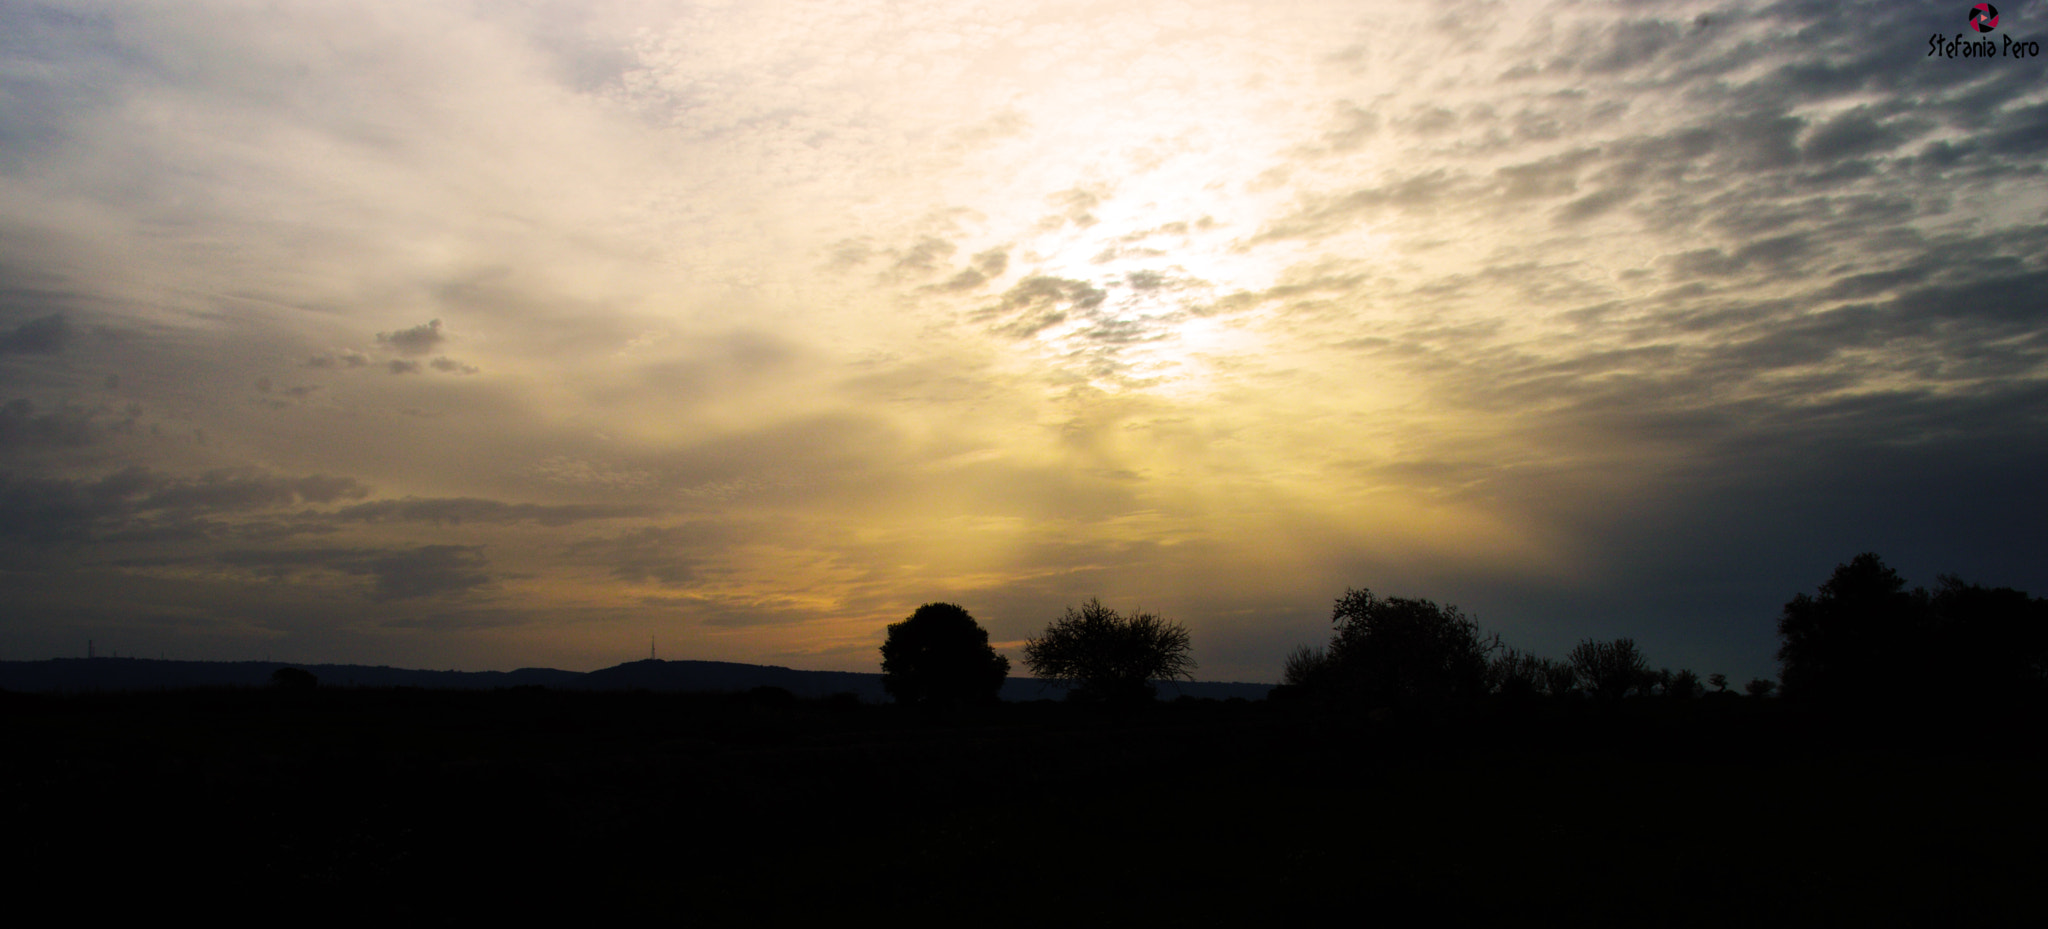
[[1110, 658], [1393, 651], [940, 655], [1989, 641], [1862, 633]]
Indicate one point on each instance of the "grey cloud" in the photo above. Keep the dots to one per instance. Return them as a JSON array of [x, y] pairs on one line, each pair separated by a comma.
[[1594, 204], [1778, 253], [717, 365], [984, 267], [1321, 216], [136, 503], [473, 618], [2022, 132], [399, 574], [241, 490], [967, 279], [67, 426], [730, 612], [850, 252], [45, 335], [351, 359], [1429, 121], [1075, 207], [1146, 280], [450, 366], [1556, 176], [1857, 286], [1040, 302], [832, 455], [1858, 132], [924, 257], [427, 571], [673, 556], [992, 262], [1761, 140], [1627, 44], [1354, 126], [418, 340], [64, 60], [398, 366], [458, 510]]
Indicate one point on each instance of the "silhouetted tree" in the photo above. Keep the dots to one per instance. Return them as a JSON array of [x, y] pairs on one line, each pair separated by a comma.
[[1864, 635], [940, 655], [1758, 687], [1862, 632], [1611, 669], [1719, 682], [1560, 679], [1992, 642], [1515, 673], [1683, 685], [1393, 651], [1305, 667], [1110, 658]]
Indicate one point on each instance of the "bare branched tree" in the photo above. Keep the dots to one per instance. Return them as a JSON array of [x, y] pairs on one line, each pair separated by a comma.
[[1111, 658], [1611, 669]]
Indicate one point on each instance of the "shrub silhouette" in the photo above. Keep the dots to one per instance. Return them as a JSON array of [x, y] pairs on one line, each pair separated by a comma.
[[1109, 658], [941, 656]]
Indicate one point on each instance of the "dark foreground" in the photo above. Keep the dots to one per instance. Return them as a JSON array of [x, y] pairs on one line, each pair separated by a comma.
[[380, 803]]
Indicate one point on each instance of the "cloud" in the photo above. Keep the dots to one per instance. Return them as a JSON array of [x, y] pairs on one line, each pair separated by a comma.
[[65, 427], [44, 335], [459, 510], [418, 340], [672, 556], [137, 503], [397, 574], [1040, 302], [351, 359], [923, 257]]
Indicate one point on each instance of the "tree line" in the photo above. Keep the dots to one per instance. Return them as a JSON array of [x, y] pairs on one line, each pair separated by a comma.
[[1400, 652], [941, 657], [1863, 637]]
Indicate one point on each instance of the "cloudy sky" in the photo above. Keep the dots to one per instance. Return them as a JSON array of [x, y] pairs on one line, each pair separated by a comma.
[[497, 334]]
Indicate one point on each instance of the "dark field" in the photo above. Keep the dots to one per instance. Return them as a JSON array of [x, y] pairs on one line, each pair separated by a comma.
[[379, 803]]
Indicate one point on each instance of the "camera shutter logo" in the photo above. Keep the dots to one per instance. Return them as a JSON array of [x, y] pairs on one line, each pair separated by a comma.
[[1984, 17]]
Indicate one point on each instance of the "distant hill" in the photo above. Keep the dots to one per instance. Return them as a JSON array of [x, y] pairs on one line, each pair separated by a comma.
[[85, 675]]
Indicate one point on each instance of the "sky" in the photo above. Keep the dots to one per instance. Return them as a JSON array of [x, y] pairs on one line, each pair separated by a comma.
[[501, 334]]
